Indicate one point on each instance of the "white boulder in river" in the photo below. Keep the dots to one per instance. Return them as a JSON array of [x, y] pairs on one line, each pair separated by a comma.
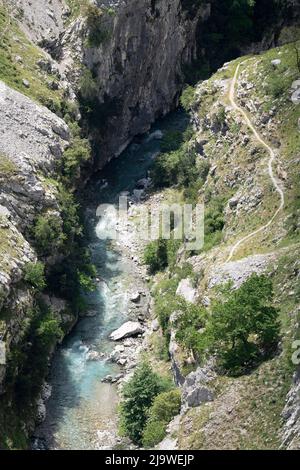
[[129, 328]]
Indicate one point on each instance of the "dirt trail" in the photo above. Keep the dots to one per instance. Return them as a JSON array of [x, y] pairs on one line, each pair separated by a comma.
[[270, 165]]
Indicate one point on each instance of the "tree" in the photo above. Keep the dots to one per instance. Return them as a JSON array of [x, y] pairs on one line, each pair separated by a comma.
[[138, 396], [35, 275], [156, 255], [190, 325], [245, 327], [165, 406], [48, 233]]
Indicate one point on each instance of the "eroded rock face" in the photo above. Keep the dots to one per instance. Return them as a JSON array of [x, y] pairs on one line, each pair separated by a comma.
[[139, 68], [42, 21], [32, 141], [239, 271]]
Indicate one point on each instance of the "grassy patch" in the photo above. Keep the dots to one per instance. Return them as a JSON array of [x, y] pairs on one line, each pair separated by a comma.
[[7, 167], [77, 8]]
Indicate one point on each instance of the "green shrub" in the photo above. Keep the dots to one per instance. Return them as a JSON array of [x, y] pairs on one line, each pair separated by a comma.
[[219, 117], [214, 222], [160, 254], [181, 167], [165, 305], [70, 217], [190, 325], [187, 98], [154, 432], [27, 367], [35, 275], [48, 332], [97, 31], [156, 255], [276, 86], [245, 327], [75, 276], [8, 168], [86, 277], [165, 406], [165, 300], [88, 86], [191, 190], [164, 172], [214, 216], [171, 141], [78, 153], [138, 396], [48, 233]]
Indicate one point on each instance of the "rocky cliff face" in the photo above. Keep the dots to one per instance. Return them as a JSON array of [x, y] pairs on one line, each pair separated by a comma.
[[135, 74], [137, 65], [32, 141], [254, 410], [42, 22], [138, 69], [134, 78]]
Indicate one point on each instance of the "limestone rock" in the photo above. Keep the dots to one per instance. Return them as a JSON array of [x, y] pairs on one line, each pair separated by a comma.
[[32, 139], [155, 325], [195, 390], [291, 416], [128, 329], [276, 62], [198, 396], [135, 297], [141, 31], [186, 290], [296, 97], [295, 90], [26, 83], [41, 21], [239, 271]]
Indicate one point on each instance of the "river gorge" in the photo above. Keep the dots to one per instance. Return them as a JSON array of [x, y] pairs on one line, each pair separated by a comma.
[[159, 102], [82, 410]]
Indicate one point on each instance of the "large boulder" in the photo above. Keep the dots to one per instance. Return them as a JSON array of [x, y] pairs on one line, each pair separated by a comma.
[[135, 297], [198, 395], [196, 390], [239, 271], [186, 290], [128, 329]]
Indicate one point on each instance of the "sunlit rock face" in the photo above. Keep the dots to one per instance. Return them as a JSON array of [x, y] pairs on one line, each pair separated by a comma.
[[32, 142]]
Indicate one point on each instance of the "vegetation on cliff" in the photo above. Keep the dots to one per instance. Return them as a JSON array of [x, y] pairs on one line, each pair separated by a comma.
[[247, 330], [149, 403]]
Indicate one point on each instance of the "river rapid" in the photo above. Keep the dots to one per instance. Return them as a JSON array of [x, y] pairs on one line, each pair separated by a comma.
[[82, 410]]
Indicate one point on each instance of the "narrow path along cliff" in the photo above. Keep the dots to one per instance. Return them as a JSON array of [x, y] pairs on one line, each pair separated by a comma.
[[270, 164]]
